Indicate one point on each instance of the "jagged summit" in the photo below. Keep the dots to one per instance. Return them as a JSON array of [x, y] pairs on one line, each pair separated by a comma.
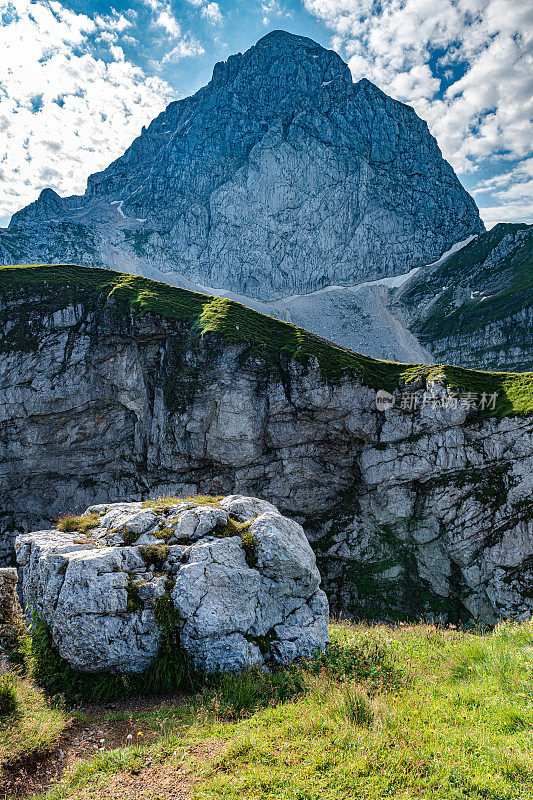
[[279, 177], [287, 40], [284, 61]]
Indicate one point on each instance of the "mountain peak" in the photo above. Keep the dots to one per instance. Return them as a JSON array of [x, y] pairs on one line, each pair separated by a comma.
[[291, 62], [278, 178], [283, 39]]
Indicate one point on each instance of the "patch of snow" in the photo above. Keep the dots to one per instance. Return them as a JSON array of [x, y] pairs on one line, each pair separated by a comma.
[[118, 204], [453, 249], [391, 283]]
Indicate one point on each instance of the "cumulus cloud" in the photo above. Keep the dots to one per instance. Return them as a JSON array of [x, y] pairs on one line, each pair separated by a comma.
[[163, 17], [272, 8], [212, 12], [186, 47], [65, 113], [514, 192], [208, 10], [465, 66]]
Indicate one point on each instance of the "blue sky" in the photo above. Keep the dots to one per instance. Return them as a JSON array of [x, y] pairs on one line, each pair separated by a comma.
[[83, 77]]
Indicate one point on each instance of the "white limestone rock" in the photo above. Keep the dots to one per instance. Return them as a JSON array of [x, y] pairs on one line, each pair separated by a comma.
[[224, 604]]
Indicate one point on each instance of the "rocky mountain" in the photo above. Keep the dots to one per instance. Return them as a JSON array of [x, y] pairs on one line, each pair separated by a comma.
[[278, 178], [476, 307], [413, 484]]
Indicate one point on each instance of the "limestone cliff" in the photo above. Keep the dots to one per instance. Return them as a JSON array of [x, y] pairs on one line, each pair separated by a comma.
[[117, 387]]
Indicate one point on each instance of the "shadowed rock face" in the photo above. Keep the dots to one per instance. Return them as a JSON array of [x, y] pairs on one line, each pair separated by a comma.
[[281, 176], [230, 608], [409, 510]]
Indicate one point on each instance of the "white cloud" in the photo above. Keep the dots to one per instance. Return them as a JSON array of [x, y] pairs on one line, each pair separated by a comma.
[[208, 10], [487, 110], [163, 17], [212, 12], [513, 190], [186, 48], [507, 212], [272, 8], [65, 113]]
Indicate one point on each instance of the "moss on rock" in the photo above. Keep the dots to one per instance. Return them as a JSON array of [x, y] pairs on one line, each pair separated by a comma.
[[41, 290]]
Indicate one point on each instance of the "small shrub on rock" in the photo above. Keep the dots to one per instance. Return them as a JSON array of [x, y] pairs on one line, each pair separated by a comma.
[[155, 554], [249, 546]]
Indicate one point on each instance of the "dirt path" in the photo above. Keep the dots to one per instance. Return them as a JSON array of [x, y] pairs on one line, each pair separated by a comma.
[[105, 728], [167, 781]]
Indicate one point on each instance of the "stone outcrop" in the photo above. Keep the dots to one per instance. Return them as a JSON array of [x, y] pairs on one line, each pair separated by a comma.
[[419, 508], [11, 623], [238, 582], [279, 177]]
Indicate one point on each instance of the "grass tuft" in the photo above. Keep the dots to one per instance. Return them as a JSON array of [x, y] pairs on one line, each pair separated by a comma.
[[77, 524], [155, 554], [235, 695], [9, 702], [355, 707]]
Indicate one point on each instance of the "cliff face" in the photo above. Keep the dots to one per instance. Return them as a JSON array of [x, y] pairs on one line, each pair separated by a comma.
[[279, 177], [475, 308], [419, 508]]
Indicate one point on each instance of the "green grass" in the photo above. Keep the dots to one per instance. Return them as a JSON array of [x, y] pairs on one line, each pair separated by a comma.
[[43, 289], [232, 696], [168, 672], [77, 524], [165, 503], [9, 702], [35, 726], [451, 719]]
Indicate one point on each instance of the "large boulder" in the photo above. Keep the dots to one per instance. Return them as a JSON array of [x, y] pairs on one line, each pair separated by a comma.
[[240, 581]]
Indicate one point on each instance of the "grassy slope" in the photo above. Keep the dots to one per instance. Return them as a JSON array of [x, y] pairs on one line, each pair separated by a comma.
[[508, 284], [59, 285], [36, 726], [456, 727]]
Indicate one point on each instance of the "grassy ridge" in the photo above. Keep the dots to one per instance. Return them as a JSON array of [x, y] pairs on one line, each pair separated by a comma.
[[58, 286], [509, 284]]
